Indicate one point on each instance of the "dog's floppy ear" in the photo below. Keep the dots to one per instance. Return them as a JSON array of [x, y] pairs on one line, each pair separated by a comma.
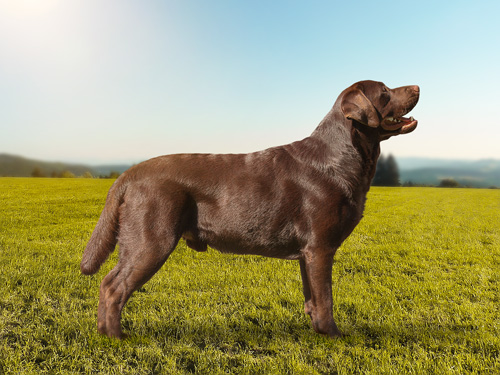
[[356, 106]]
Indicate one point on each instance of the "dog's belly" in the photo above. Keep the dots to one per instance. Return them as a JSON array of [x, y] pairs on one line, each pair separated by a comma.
[[271, 238], [244, 243], [240, 246]]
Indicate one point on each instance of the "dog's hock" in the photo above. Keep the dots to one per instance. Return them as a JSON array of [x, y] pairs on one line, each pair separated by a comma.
[[356, 106]]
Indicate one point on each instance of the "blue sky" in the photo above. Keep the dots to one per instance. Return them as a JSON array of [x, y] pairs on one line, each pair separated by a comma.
[[121, 81]]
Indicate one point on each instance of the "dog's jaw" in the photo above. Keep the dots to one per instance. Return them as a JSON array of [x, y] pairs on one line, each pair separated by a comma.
[[399, 125], [408, 128]]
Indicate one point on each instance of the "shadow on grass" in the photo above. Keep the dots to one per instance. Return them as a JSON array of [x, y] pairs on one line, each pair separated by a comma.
[[230, 334], [447, 337]]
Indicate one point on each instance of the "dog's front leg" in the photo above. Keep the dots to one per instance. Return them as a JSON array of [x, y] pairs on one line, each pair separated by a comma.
[[306, 289], [316, 271]]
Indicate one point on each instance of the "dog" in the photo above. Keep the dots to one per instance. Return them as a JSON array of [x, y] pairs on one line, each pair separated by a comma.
[[298, 201]]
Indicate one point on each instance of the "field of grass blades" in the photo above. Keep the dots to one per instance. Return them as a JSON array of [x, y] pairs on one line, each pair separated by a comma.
[[416, 290]]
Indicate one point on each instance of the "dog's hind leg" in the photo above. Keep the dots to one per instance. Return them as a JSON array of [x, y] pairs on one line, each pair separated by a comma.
[[149, 232], [130, 273]]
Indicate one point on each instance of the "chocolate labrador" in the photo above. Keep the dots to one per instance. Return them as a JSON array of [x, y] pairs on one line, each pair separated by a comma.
[[298, 201]]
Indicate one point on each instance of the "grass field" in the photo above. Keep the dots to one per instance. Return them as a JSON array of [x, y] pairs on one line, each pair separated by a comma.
[[416, 289]]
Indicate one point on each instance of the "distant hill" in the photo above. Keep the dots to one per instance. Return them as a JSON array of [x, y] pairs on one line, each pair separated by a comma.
[[17, 166], [477, 173]]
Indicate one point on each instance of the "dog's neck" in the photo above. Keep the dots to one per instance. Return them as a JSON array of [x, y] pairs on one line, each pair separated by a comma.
[[335, 148], [366, 141]]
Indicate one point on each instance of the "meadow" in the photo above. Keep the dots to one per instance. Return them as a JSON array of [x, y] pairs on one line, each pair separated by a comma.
[[416, 290]]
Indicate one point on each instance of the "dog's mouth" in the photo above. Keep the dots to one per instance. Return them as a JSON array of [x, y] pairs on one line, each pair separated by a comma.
[[402, 125]]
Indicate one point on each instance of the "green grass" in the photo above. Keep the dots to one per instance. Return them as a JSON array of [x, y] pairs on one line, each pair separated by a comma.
[[416, 289]]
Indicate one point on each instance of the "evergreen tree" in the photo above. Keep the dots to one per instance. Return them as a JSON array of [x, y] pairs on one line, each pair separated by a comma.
[[387, 173], [392, 172], [449, 183], [37, 172], [381, 172]]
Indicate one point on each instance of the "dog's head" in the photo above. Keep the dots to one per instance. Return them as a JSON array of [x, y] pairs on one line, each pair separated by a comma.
[[376, 106]]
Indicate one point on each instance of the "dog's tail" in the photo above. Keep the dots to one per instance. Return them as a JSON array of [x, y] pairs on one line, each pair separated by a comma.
[[104, 237]]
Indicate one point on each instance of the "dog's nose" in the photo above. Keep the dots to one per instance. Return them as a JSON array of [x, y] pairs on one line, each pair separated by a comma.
[[414, 88]]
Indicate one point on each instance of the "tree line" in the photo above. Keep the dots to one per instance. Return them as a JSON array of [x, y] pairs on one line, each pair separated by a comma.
[[38, 172], [387, 174]]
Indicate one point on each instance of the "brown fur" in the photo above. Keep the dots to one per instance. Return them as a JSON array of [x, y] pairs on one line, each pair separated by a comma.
[[297, 201]]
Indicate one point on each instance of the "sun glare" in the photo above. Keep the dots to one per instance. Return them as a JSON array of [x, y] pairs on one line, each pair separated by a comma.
[[28, 7]]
